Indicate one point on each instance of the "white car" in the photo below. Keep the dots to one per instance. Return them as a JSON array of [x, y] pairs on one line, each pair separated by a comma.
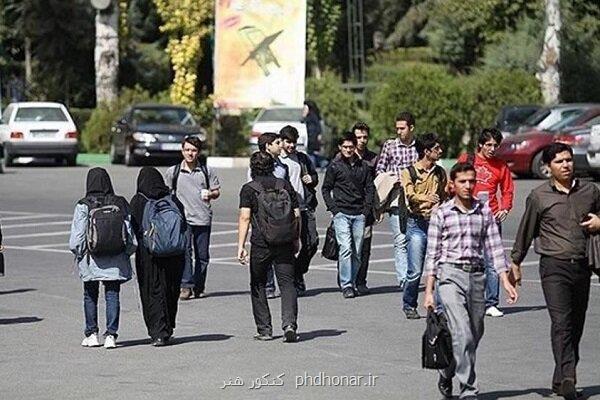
[[38, 129], [593, 150], [272, 119]]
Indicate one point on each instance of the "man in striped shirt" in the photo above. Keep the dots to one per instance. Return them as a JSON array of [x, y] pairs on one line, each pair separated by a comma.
[[460, 231], [396, 155]]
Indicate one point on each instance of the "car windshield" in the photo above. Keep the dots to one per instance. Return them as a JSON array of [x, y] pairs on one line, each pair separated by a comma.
[[538, 117], [167, 116], [518, 115], [40, 114], [281, 115], [568, 120]]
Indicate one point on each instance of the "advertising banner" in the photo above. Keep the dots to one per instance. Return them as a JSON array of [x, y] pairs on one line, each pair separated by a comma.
[[259, 53]]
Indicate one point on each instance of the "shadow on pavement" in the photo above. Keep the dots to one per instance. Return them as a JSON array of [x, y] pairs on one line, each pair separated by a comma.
[[505, 394], [519, 309], [210, 337], [19, 320], [15, 291], [306, 336], [373, 290], [225, 294]]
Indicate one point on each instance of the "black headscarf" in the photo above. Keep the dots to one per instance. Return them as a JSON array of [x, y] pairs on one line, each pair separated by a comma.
[[98, 183], [151, 183], [313, 109]]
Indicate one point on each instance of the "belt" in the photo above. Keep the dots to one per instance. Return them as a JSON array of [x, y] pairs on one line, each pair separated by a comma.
[[469, 268]]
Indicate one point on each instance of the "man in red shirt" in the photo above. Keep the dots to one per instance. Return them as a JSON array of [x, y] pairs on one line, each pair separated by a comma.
[[494, 184]]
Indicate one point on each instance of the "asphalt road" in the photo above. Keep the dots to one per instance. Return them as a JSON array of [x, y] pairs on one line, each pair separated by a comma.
[[41, 320]]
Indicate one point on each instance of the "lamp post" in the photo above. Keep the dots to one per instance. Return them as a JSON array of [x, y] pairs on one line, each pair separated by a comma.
[[106, 52]]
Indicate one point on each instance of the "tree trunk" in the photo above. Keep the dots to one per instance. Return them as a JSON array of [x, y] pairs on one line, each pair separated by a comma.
[[106, 54], [549, 62]]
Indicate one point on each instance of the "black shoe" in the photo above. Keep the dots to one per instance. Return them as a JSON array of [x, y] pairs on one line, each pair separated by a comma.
[[300, 292], [263, 337], [412, 313], [362, 290], [445, 386], [567, 389], [289, 335], [348, 293], [160, 342]]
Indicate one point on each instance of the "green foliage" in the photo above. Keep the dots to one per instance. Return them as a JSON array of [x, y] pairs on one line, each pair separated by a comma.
[[96, 133], [453, 106], [517, 49], [338, 106], [80, 116], [323, 17]]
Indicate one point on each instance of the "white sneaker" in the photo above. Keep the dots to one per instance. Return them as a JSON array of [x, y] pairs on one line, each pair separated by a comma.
[[493, 312], [110, 342], [91, 341]]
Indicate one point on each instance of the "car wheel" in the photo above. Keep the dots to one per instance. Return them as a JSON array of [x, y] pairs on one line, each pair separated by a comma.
[[7, 160], [130, 159], [538, 168], [71, 160], [114, 157]]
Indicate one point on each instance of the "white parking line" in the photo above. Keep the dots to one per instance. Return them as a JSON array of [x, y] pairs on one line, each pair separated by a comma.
[[46, 246], [36, 224], [35, 249], [32, 235], [15, 213], [30, 216]]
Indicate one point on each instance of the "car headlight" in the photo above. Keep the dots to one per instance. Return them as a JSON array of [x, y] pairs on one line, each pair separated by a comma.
[[143, 137], [520, 145]]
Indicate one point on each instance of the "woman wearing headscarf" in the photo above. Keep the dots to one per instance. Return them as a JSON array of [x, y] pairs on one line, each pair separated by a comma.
[[159, 278], [111, 267], [312, 119]]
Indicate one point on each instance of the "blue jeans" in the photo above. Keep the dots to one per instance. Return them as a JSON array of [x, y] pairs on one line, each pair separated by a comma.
[[197, 278], [492, 282], [400, 250], [90, 306], [349, 232], [416, 235]]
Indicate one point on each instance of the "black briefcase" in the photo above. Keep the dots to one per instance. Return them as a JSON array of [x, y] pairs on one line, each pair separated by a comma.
[[437, 342], [330, 245]]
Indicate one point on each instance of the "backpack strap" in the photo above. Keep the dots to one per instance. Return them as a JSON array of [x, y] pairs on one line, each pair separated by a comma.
[[413, 174], [175, 178], [256, 186], [471, 158]]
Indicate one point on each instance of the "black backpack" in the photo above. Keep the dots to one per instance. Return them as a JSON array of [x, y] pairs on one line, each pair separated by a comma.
[[106, 233], [437, 342], [275, 217]]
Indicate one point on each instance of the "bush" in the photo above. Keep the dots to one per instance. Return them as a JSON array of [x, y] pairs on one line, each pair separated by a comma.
[[453, 106], [338, 106], [96, 133], [80, 116]]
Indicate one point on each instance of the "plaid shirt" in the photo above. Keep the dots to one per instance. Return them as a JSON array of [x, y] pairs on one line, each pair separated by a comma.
[[395, 156], [459, 237]]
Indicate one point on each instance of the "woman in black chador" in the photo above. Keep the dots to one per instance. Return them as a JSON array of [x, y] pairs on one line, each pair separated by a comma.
[[159, 278]]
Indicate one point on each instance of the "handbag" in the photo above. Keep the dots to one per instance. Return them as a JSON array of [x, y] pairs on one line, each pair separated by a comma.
[[437, 342], [330, 245]]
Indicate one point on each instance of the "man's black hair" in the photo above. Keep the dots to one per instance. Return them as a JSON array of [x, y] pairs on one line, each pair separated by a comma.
[[551, 151], [193, 140], [424, 142], [261, 164], [407, 117], [489, 133], [289, 133], [347, 137], [361, 126], [459, 168], [265, 139]]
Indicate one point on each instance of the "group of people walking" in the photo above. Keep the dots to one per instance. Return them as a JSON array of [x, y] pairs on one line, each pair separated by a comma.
[[445, 225]]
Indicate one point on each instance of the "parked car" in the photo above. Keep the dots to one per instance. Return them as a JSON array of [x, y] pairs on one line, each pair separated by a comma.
[[545, 117], [523, 152], [510, 118], [151, 131], [593, 150], [272, 119], [579, 140], [38, 129]]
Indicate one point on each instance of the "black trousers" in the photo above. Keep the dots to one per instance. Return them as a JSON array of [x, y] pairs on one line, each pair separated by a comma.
[[282, 260], [566, 287], [361, 276], [310, 244]]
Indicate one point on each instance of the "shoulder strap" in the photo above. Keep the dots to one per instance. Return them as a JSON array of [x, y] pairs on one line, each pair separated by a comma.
[[471, 158], [413, 174], [256, 186], [175, 178], [204, 169]]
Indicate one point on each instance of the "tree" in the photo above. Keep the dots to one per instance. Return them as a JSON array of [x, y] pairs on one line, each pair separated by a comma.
[[186, 22], [549, 74], [323, 18]]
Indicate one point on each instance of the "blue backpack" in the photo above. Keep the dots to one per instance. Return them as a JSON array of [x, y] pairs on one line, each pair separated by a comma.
[[164, 228]]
